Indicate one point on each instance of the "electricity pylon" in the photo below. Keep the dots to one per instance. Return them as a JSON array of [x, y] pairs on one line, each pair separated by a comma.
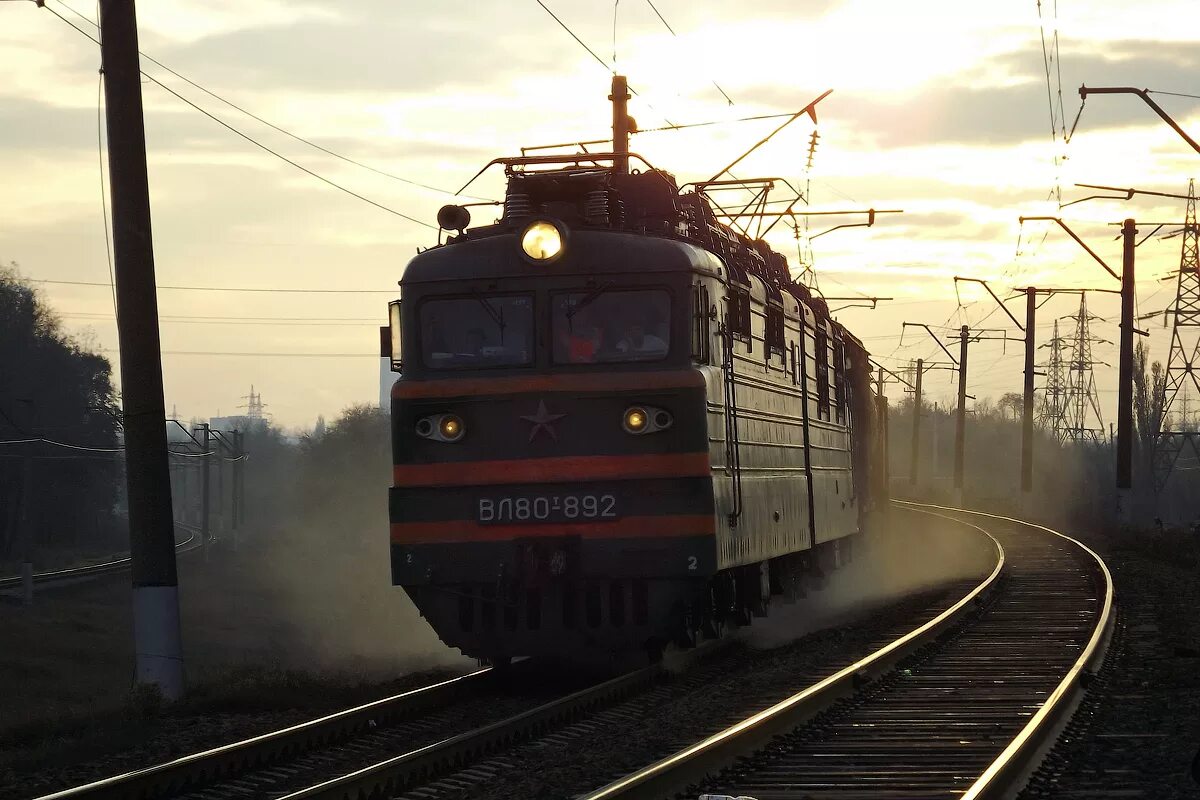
[[1052, 413], [1084, 422], [254, 405], [1180, 415]]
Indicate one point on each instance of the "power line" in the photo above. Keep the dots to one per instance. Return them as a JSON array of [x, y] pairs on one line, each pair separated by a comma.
[[112, 281], [298, 323], [275, 127], [1174, 94], [608, 67], [258, 355], [714, 122], [582, 44], [63, 444], [228, 318], [663, 19], [225, 288], [254, 141]]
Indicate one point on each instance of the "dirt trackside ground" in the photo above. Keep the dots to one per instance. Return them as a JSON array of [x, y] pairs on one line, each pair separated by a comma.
[[262, 638]]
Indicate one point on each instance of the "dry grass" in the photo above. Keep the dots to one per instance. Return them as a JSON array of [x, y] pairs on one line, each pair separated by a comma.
[[261, 637]]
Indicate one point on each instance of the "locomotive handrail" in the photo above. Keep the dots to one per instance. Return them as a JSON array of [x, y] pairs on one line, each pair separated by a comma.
[[557, 158], [733, 455]]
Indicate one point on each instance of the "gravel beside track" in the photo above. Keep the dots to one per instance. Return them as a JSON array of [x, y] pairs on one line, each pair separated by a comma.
[[1137, 733]]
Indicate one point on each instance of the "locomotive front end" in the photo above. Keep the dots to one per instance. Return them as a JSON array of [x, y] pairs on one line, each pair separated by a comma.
[[552, 482]]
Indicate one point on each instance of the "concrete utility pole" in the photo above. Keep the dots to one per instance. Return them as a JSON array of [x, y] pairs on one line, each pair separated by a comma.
[[960, 427], [157, 638], [935, 428], [1125, 370], [1027, 405], [1027, 419], [881, 406], [914, 467], [1125, 376], [235, 504], [205, 479]]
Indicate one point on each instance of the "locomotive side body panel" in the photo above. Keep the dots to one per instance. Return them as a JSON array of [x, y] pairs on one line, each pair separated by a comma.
[[770, 382]]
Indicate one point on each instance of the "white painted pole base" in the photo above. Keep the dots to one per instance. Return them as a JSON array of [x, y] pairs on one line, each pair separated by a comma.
[[958, 498], [157, 640], [27, 583]]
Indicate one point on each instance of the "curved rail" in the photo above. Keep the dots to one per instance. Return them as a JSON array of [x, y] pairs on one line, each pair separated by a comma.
[[1017, 759], [998, 775], [694, 763], [104, 568], [194, 771]]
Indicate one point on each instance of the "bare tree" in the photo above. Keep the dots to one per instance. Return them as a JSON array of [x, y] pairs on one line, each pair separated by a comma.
[[1011, 401]]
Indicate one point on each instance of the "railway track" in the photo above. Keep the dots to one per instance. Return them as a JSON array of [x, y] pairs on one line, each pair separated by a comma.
[[192, 542], [386, 745], [913, 696], [963, 707]]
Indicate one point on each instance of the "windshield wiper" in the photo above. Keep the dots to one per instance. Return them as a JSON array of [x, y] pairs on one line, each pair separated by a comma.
[[496, 315], [587, 299]]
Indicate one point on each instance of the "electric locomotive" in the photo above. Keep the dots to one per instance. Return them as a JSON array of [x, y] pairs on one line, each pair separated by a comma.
[[619, 422]]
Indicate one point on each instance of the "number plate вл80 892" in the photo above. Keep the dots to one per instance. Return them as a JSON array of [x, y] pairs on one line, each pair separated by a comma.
[[547, 508]]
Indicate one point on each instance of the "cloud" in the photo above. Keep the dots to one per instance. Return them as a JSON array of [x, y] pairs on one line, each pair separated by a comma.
[[382, 52], [1004, 101]]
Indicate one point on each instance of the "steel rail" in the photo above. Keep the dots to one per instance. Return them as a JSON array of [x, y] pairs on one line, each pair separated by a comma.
[[689, 766], [195, 771], [104, 568], [1023, 752], [387, 778]]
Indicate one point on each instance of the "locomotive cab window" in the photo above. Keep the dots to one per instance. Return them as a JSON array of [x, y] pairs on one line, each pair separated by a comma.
[[478, 331], [605, 325]]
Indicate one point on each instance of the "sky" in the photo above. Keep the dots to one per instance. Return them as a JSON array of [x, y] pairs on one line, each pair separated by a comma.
[[943, 110]]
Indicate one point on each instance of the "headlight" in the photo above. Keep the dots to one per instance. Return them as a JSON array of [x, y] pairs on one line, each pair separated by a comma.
[[646, 419], [441, 428], [542, 241]]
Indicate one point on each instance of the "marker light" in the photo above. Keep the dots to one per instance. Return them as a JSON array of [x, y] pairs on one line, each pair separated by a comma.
[[646, 419], [451, 428], [441, 428], [542, 241]]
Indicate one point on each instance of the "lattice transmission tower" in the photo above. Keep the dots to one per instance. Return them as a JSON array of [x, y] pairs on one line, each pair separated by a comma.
[[254, 405], [1083, 420], [1052, 412], [1181, 409]]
